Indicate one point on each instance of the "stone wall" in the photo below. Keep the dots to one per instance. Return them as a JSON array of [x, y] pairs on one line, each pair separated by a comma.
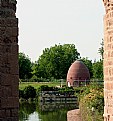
[[74, 115], [108, 60], [9, 75]]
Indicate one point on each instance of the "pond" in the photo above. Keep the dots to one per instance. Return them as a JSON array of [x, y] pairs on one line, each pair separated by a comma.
[[44, 112]]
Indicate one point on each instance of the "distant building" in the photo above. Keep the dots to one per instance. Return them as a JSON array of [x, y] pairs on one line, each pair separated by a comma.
[[78, 74]]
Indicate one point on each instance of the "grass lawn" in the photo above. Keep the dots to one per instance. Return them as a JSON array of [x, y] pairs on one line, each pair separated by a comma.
[[36, 85]]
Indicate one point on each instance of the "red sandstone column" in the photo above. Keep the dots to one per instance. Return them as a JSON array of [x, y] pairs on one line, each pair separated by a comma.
[[108, 60], [9, 75]]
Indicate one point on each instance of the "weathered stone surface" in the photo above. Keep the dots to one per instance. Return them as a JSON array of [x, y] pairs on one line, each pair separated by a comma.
[[10, 102], [14, 112], [74, 115], [9, 70], [108, 60]]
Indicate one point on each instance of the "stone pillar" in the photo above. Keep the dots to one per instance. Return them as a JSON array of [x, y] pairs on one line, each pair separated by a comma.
[[108, 60], [9, 74]]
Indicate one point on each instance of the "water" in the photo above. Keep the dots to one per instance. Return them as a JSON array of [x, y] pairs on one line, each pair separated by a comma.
[[44, 112]]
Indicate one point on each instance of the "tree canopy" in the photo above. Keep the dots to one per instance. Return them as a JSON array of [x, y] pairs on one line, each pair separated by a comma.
[[88, 64], [24, 66], [55, 61], [101, 49], [98, 70]]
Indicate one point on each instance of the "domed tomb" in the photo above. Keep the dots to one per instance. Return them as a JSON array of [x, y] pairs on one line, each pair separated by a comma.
[[77, 74]]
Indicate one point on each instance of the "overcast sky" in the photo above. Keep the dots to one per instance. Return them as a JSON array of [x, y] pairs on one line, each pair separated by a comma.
[[44, 23]]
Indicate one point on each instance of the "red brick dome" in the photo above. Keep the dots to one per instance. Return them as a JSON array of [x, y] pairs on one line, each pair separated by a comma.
[[77, 72]]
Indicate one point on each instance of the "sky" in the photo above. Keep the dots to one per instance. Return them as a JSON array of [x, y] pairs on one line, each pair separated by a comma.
[[44, 23]]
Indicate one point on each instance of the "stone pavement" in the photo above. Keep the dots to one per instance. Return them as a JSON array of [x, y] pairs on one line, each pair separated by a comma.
[[73, 115]]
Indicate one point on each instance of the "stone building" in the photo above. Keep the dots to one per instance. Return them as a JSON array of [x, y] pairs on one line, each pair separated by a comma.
[[78, 74], [108, 60], [9, 75]]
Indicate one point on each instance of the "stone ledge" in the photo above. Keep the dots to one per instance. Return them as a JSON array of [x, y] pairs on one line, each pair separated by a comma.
[[73, 115]]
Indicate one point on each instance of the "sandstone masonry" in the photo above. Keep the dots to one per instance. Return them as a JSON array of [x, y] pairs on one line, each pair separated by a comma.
[[9, 75], [108, 60]]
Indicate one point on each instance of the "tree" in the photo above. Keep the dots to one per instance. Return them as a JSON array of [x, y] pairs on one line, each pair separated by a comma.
[[101, 49], [55, 61], [29, 92], [24, 66], [88, 64], [98, 70]]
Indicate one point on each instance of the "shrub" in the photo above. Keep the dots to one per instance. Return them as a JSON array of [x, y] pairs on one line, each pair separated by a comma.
[[47, 88], [92, 97], [21, 93], [29, 92]]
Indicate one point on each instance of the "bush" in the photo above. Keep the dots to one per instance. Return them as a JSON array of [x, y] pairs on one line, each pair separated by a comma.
[[47, 88], [92, 97], [21, 93], [29, 92]]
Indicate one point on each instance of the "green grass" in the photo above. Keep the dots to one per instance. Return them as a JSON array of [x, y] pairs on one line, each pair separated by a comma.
[[36, 85]]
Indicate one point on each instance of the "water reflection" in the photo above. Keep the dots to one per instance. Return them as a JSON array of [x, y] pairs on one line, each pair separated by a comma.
[[34, 117], [44, 112], [26, 109]]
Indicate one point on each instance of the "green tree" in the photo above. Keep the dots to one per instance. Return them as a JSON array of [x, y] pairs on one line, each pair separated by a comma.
[[98, 70], [24, 66], [29, 92], [88, 64], [101, 49], [55, 61]]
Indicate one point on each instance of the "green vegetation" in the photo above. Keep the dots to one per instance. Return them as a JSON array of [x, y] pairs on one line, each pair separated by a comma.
[[98, 70], [91, 102], [54, 63], [101, 49], [36, 85], [90, 97], [51, 69], [49, 113], [47, 88], [24, 66], [88, 64], [29, 92]]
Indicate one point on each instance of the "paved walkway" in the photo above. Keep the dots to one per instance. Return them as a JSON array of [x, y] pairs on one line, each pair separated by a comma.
[[73, 115]]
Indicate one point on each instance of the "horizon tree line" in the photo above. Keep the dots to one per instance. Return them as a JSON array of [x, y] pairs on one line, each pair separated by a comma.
[[55, 62]]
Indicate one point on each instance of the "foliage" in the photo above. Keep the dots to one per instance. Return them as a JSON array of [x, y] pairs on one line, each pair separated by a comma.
[[47, 88], [25, 109], [24, 66], [36, 85], [29, 92], [54, 64], [55, 61], [98, 70], [21, 93], [67, 91], [101, 49], [88, 64], [92, 103]]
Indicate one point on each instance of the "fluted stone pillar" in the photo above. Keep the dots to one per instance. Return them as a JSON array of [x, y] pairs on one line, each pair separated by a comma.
[[108, 60], [9, 74]]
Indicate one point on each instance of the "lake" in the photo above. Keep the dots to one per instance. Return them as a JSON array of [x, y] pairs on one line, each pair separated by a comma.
[[45, 112]]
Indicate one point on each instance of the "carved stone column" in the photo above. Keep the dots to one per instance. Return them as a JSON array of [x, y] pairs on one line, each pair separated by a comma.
[[9, 74], [108, 60]]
